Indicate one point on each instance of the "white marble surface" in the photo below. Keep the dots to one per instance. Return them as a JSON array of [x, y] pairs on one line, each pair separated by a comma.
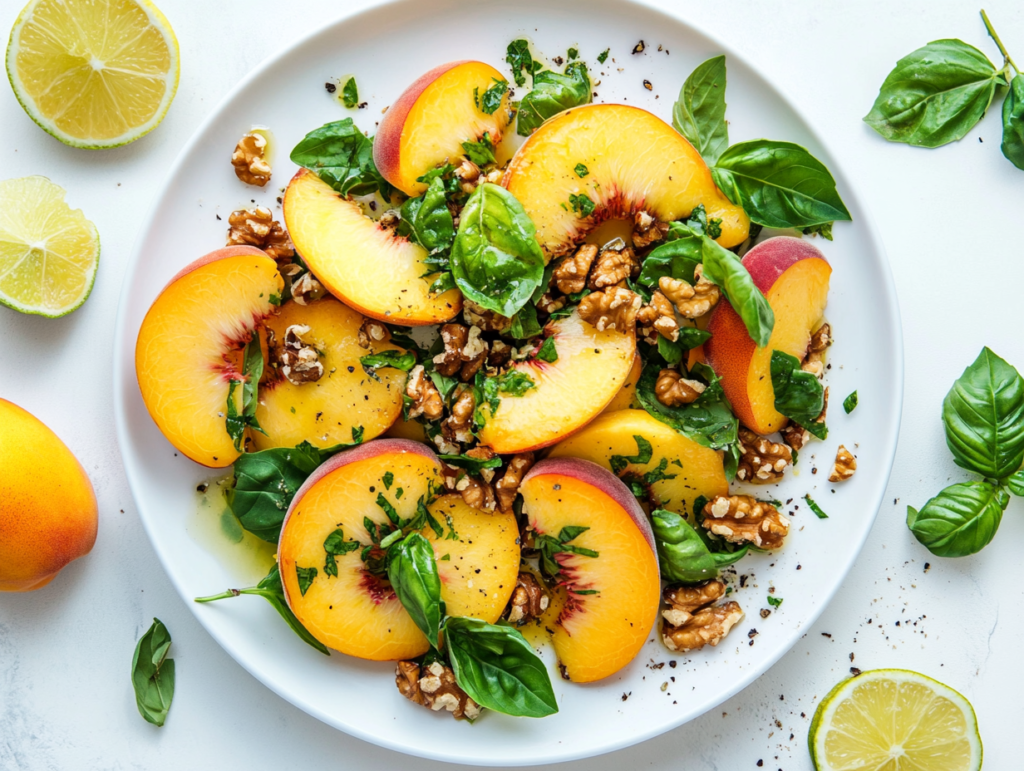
[[950, 220]]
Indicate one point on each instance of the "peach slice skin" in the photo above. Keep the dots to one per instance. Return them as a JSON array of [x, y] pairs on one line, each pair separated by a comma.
[[369, 269], [794, 277], [325, 412], [598, 634], [187, 346], [701, 472], [569, 393], [428, 123], [635, 161]]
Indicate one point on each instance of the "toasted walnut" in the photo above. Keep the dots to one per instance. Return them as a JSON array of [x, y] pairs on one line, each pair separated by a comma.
[[613, 308], [248, 159], [549, 304], [257, 227], [458, 426], [476, 493], [464, 352], [389, 220], [613, 266], [426, 399], [571, 274], [487, 320], [436, 689], [684, 601], [762, 461], [444, 445], [297, 361], [661, 315], [844, 466], [529, 600], [673, 390], [307, 289], [796, 436], [467, 171], [707, 626], [691, 301], [508, 486], [744, 519], [814, 361], [647, 230], [500, 355], [372, 331]]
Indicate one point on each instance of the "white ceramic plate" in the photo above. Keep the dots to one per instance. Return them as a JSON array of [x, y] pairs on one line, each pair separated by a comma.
[[387, 48]]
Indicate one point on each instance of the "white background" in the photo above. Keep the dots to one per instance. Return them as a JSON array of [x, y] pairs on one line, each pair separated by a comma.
[[950, 219]]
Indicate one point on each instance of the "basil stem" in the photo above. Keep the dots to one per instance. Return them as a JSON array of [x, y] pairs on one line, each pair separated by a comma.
[[153, 674]]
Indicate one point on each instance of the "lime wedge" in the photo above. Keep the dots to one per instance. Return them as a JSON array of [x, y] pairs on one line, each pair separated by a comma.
[[93, 73], [894, 720], [48, 251]]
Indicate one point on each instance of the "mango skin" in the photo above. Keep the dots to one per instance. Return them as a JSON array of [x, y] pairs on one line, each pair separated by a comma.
[[48, 513]]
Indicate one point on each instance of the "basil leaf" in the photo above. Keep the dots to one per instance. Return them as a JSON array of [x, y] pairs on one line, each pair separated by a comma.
[[682, 553], [983, 415], [547, 351], [603, 56], [481, 153], [153, 674], [521, 61], [725, 269], [525, 324], [779, 184], [1013, 123], [553, 93], [414, 577], [403, 360], [1016, 483], [342, 157], [350, 93], [496, 260], [473, 465], [490, 100], [699, 113], [818, 511], [677, 257], [798, 394], [252, 370], [960, 520], [270, 589], [935, 95], [498, 668], [427, 221], [306, 577], [708, 420], [699, 224], [850, 403]]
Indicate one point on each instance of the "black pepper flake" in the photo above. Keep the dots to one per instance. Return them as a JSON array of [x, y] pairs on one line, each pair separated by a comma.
[[202, 487], [331, 88], [647, 85], [639, 47], [854, 671]]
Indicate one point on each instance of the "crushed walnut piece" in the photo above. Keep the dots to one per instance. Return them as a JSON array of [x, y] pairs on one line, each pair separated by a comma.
[[436, 689], [612, 267], [673, 390], [249, 159], [500, 354], [692, 621], [458, 426], [257, 227], [464, 352], [548, 303], [482, 452], [476, 493], [660, 314], [389, 220], [762, 461], [691, 301], [307, 289], [844, 466], [796, 436], [647, 230], [528, 601], [571, 274], [298, 361], [426, 399], [486, 320], [744, 519], [372, 331], [508, 486], [612, 308], [814, 361]]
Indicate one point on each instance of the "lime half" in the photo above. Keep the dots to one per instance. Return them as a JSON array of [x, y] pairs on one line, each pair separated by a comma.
[[894, 720], [93, 73], [48, 251]]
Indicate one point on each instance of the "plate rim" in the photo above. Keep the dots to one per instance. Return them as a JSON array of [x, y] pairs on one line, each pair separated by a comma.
[[121, 364]]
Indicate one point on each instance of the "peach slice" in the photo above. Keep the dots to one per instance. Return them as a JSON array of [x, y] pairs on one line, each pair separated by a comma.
[[612, 599], [369, 268], [696, 470], [626, 397], [635, 161], [794, 276], [428, 123], [590, 369], [357, 612], [325, 412], [189, 347]]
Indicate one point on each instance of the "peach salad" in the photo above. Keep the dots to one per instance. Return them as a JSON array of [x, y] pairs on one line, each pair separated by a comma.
[[497, 369]]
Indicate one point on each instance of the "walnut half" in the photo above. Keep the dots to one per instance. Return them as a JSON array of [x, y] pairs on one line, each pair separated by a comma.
[[762, 461], [612, 308], [257, 227], [249, 159], [692, 621]]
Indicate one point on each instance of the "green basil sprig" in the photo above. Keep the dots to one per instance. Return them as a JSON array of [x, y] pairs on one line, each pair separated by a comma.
[[496, 260], [799, 395], [153, 674], [699, 113], [983, 416], [417, 584], [553, 93], [683, 555], [725, 269], [342, 157], [270, 589]]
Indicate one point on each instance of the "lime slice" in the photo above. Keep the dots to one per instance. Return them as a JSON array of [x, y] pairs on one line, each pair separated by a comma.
[[894, 720], [48, 251], [93, 73]]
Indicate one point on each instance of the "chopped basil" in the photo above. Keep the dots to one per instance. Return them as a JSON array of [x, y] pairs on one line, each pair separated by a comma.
[[403, 360], [336, 545], [547, 351], [644, 453], [581, 170], [305, 576], [472, 465], [798, 394], [700, 225], [549, 547], [482, 152], [553, 93], [521, 61], [388, 479], [603, 56], [774, 601], [582, 205], [490, 100], [389, 510], [525, 324], [815, 508], [850, 403], [252, 371], [357, 434], [824, 230], [572, 53], [350, 93]]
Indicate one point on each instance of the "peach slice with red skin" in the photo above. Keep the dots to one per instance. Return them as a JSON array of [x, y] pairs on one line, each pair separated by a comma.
[[635, 161], [426, 126], [189, 347], [370, 269], [612, 599], [794, 277], [569, 392], [357, 612], [325, 412]]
